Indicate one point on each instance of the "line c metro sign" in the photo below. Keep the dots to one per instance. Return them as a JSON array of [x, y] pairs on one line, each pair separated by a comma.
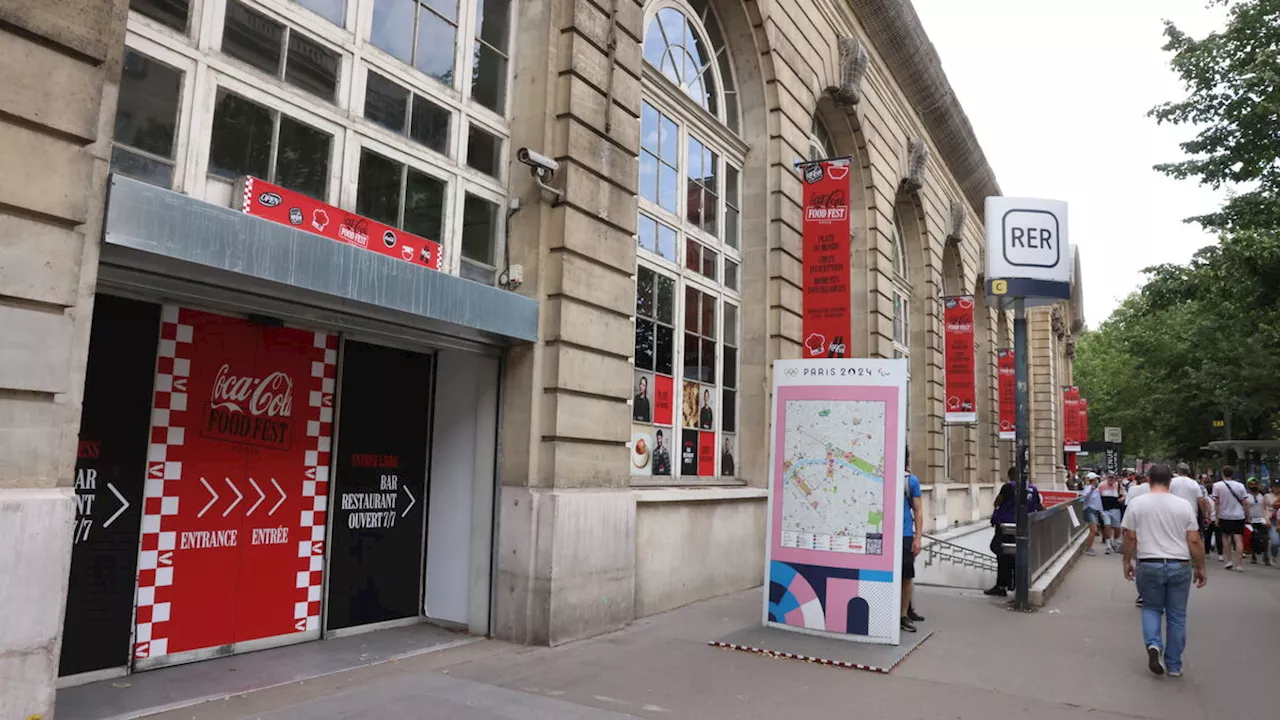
[[1028, 251]]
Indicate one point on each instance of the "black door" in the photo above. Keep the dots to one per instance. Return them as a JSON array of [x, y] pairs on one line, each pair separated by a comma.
[[375, 552], [110, 467]]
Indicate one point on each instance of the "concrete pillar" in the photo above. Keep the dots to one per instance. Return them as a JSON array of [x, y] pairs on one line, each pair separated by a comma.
[[57, 99]]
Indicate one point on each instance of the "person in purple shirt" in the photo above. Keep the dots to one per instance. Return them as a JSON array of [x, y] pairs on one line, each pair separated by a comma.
[[1006, 511]]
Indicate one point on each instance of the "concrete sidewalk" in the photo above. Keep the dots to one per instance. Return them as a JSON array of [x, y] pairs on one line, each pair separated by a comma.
[[1079, 657]]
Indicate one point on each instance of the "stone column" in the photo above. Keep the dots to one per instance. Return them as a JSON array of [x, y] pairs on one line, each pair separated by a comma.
[[57, 94], [1046, 398]]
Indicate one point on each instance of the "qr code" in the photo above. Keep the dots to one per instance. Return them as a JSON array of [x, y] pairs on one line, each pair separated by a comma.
[[875, 545]]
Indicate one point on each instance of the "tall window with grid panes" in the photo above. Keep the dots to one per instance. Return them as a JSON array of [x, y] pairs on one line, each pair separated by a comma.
[[901, 289], [688, 307], [404, 121]]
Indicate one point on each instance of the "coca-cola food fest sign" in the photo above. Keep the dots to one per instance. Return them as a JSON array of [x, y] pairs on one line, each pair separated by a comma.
[[272, 202], [961, 389], [247, 409], [827, 316]]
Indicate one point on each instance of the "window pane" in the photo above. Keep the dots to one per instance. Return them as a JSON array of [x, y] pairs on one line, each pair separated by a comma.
[[477, 273], [434, 54], [692, 255], [666, 299], [430, 124], [667, 242], [710, 262], [664, 358], [423, 205], [393, 27], [729, 367], [311, 66], [730, 275], [644, 292], [147, 113], [447, 8], [668, 186], [729, 411], [644, 344], [302, 158], [710, 208], [693, 157], [478, 229], [709, 328], [493, 21], [669, 143], [708, 366], [648, 176], [141, 168], [483, 151], [489, 78], [378, 188], [691, 369], [334, 11], [731, 185], [710, 170], [692, 310], [241, 139], [649, 127], [169, 12], [385, 102], [731, 227], [647, 233], [730, 325], [253, 38]]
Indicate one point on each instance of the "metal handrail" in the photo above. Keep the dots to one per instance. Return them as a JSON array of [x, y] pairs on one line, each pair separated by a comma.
[[943, 551]]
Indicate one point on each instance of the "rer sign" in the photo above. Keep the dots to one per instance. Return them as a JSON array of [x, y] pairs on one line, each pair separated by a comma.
[[1028, 254]]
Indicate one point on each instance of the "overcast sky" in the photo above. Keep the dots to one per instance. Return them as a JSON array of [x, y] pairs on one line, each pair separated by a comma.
[[1058, 91]]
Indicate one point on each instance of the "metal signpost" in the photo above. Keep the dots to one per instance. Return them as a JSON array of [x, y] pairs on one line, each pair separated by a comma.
[[1029, 262]]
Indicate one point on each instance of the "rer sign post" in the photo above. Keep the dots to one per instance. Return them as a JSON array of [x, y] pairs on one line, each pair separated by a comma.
[[1029, 262]]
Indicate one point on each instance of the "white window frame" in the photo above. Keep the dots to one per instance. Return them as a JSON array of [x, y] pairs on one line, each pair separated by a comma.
[[186, 99]]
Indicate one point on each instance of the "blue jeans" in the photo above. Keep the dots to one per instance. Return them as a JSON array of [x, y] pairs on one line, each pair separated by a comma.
[[1164, 588]]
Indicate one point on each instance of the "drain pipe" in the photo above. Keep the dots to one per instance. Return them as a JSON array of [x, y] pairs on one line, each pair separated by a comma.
[[613, 61]]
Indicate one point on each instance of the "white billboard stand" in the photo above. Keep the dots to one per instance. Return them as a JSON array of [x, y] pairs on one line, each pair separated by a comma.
[[1029, 262]]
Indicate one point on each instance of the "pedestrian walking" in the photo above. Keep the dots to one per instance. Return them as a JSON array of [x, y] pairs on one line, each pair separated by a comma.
[[1212, 533], [913, 531], [1092, 510], [1006, 511], [1231, 499], [1112, 499], [1259, 509], [1161, 534]]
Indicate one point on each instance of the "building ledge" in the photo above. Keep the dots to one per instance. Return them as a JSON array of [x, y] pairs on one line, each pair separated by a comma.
[[700, 494]]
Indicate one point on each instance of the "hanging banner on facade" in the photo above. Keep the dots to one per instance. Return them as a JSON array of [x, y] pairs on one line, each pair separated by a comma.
[[827, 314], [961, 388], [233, 530], [111, 459], [1071, 419], [1082, 426], [1008, 389], [272, 202], [836, 498]]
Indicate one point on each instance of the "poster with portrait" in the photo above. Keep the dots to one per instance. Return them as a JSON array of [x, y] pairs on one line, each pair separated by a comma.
[[728, 457], [642, 397], [699, 406]]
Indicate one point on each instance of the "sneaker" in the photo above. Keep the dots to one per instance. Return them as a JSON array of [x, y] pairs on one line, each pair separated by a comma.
[[1229, 566], [996, 591], [1221, 559], [1138, 602], [906, 625], [1175, 673], [1108, 550], [1240, 568], [1155, 660], [1091, 552], [914, 616]]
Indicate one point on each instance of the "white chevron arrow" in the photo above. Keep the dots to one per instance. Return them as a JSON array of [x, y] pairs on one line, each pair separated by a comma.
[[124, 505], [261, 496], [279, 502], [213, 499], [239, 497], [412, 500], [166, 557]]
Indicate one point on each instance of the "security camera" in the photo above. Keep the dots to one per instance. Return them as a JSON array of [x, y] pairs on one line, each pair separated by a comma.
[[541, 165]]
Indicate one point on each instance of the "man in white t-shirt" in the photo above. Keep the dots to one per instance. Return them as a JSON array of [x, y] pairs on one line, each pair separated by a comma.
[[1259, 510], [1161, 533], [1232, 502]]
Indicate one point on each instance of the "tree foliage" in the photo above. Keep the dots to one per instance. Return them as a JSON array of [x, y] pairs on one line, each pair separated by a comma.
[[1202, 340]]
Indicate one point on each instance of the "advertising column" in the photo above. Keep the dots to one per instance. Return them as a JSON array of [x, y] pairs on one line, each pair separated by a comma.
[[827, 318], [836, 498], [236, 489], [961, 386]]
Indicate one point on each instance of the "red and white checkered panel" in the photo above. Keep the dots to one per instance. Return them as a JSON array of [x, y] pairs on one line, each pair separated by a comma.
[[315, 489]]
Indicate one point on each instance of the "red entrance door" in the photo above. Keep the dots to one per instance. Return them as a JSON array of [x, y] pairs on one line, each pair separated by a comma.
[[237, 481]]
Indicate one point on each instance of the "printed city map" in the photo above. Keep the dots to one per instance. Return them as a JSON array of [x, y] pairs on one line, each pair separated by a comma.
[[833, 476]]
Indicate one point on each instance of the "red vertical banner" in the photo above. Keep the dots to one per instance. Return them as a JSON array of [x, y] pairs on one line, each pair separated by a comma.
[[1082, 428], [237, 483], [1071, 419], [1007, 375], [961, 389], [827, 315]]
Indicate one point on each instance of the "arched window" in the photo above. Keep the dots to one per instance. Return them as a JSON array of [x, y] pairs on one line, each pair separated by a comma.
[[820, 145], [688, 277]]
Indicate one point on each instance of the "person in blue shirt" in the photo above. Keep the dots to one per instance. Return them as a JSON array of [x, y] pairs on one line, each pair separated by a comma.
[[1006, 511], [1093, 512], [912, 531]]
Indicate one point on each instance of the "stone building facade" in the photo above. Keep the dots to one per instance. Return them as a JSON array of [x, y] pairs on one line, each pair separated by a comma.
[[640, 290]]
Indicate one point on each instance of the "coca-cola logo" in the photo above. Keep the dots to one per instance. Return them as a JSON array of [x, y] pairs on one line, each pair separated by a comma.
[[354, 230], [270, 396]]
